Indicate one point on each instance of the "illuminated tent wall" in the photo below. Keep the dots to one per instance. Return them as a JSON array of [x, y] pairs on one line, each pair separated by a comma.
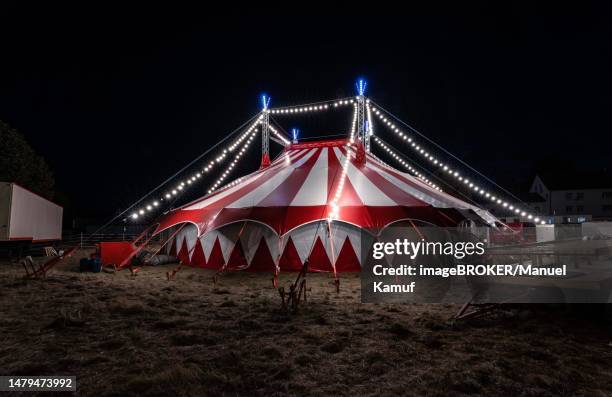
[[312, 203]]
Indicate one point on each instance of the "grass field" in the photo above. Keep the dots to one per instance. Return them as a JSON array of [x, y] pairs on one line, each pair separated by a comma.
[[143, 335]]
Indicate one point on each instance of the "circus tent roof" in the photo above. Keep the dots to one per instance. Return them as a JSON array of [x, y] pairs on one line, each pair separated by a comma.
[[308, 180]]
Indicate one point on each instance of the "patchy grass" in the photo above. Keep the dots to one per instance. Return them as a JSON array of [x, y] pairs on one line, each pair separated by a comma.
[[145, 336], [399, 330]]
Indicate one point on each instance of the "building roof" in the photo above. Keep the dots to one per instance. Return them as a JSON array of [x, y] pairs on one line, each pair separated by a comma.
[[601, 179]]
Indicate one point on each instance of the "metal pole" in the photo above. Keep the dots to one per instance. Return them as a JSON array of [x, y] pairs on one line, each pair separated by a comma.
[[265, 139], [364, 119], [265, 131], [368, 131], [361, 120]]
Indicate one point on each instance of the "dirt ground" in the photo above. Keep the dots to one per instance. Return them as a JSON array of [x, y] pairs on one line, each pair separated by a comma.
[[122, 335]]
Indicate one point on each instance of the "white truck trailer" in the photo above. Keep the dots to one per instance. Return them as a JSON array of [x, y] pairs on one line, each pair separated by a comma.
[[27, 217]]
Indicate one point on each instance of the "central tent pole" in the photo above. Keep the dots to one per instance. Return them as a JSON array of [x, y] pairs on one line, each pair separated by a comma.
[[265, 132]]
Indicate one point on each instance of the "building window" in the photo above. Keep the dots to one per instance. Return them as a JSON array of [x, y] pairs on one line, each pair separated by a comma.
[[569, 195], [606, 195], [579, 209], [606, 208], [569, 209], [580, 196]]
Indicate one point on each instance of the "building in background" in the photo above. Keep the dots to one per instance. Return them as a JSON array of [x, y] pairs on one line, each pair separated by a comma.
[[576, 198], [565, 198]]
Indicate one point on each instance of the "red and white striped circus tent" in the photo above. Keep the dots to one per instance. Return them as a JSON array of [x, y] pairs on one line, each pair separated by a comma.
[[312, 203]]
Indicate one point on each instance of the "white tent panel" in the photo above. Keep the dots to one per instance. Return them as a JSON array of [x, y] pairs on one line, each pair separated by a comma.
[[208, 242], [367, 191], [340, 231], [312, 191], [250, 238], [228, 236]]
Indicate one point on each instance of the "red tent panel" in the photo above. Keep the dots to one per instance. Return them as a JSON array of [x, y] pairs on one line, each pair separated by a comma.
[[197, 258], [215, 260], [347, 259], [318, 260], [183, 254], [237, 259], [262, 261], [290, 259]]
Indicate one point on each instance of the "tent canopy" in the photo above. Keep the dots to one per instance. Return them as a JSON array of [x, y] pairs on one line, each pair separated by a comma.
[[302, 185]]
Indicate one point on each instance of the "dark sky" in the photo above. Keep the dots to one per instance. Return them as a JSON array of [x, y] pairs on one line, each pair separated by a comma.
[[118, 99]]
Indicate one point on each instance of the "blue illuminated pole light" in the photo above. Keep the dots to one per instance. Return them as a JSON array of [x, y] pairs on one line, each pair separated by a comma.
[[265, 101], [295, 132], [361, 86]]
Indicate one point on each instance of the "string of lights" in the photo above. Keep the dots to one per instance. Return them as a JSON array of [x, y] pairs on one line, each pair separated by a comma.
[[279, 135], [233, 183], [182, 185], [155, 189], [452, 172], [425, 138], [370, 129], [233, 146], [354, 124], [229, 169], [370, 108], [424, 170], [334, 204], [314, 107], [403, 162], [246, 133]]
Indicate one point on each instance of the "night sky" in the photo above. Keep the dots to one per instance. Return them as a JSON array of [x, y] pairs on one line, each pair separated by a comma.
[[117, 100]]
